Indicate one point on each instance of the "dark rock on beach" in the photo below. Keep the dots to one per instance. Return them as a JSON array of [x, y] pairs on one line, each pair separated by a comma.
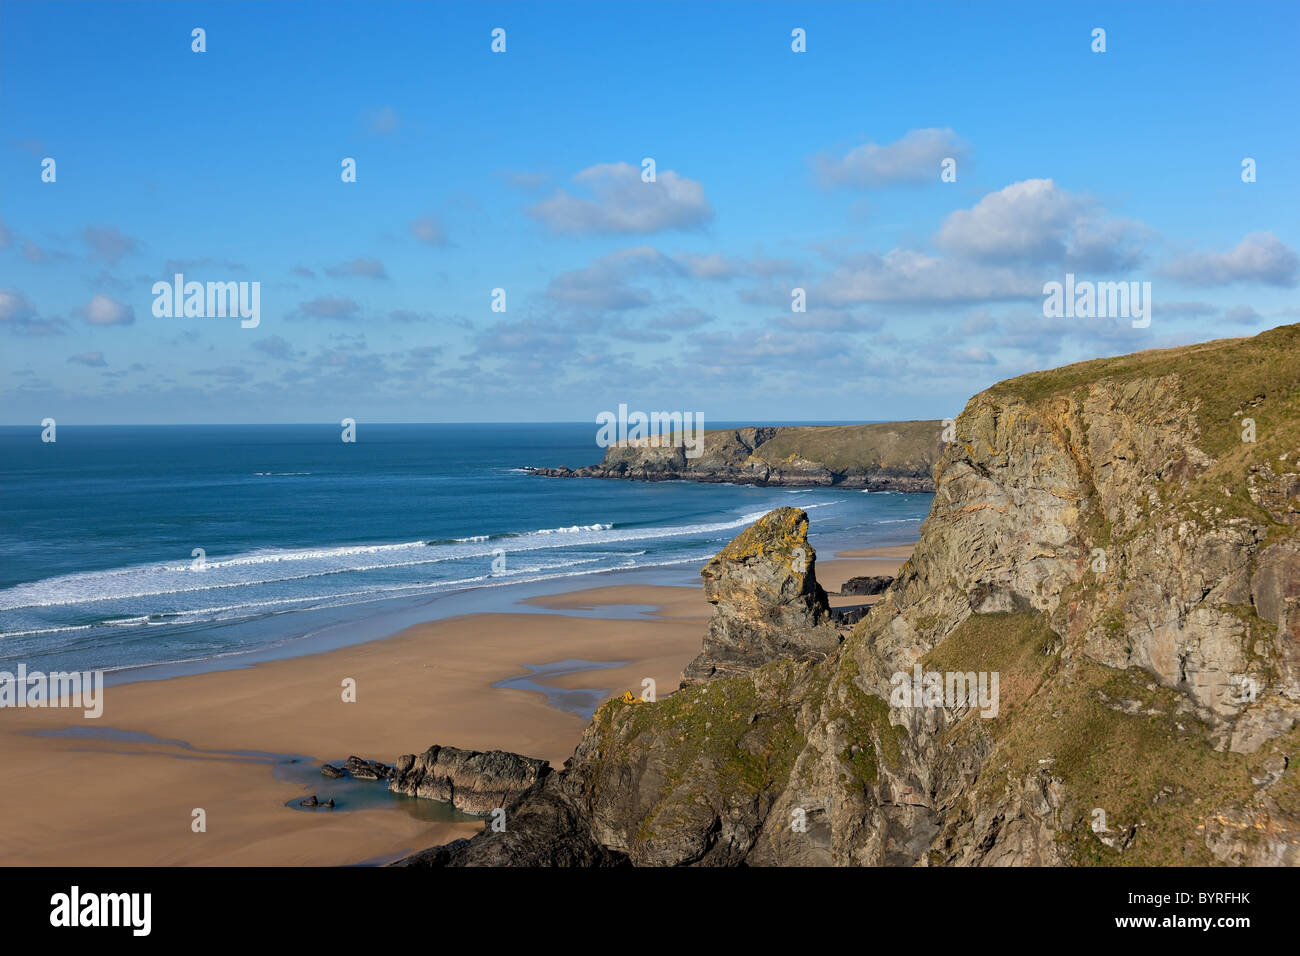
[[367, 769], [328, 770], [548, 825], [867, 585], [848, 616], [470, 780]]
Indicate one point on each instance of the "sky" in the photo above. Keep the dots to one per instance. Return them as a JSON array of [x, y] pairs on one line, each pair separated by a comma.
[[522, 170]]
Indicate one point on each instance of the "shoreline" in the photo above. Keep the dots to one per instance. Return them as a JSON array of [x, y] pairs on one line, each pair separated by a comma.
[[878, 482], [214, 740], [393, 616]]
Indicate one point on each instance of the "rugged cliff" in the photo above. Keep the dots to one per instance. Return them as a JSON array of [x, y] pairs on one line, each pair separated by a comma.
[[898, 456], [767, 603], [1118, 542]]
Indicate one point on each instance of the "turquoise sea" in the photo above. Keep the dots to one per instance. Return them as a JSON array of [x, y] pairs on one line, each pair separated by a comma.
[[308, 542]]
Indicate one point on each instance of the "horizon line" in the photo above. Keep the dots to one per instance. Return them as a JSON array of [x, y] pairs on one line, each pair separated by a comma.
[[332, 424]]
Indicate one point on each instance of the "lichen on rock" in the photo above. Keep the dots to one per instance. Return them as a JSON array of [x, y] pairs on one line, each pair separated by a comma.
[[766, 599]]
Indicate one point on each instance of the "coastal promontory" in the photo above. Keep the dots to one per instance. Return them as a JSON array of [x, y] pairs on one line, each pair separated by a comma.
[[894, 456]]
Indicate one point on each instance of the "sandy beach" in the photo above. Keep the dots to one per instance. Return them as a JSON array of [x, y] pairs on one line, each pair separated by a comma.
[[209, 741]]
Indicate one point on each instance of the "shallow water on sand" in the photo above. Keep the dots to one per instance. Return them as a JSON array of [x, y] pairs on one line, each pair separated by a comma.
[[580, 701]]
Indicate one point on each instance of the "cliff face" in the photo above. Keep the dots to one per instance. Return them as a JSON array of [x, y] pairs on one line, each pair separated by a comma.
[[892, 457], [1102, 540]]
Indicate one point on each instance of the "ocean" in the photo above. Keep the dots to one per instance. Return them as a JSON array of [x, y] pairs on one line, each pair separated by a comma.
[[195, 547]]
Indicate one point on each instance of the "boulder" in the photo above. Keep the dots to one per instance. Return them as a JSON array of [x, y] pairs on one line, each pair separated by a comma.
[[367, 769], [767, 603], [848, 616], [867, 584], [547, 826], [470, 780]]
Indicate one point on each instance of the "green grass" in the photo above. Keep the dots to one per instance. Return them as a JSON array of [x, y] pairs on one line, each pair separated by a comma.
[[1019, 647], [1220, 378], [896, 447], [724, 739], [865, 719]]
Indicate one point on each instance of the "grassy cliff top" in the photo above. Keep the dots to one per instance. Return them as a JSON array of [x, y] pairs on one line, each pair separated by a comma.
[[882, 446], [1226, 380], [889, 448]]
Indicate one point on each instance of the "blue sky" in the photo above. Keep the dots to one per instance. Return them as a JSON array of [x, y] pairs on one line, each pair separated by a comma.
[[775, 170]]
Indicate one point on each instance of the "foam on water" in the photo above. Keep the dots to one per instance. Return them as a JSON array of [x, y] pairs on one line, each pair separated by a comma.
[[410, 516]]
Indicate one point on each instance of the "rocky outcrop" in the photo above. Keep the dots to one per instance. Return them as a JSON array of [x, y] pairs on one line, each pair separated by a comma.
[[687, 780], [1108, 543], [546, 826], [867, 584], [359, 768], [366, 769], [848, 616], [897, 456], [703, 763], [766, 600], [470, 780], [1261, 834]]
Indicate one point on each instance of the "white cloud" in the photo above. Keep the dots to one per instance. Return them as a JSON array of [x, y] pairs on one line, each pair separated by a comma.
[[1242, 315], [1259, 257], [275, 346], [19, 316], [605, 283], [904, 275], [915, 158], [1036, 221], [537, 340], [971, 355], [714, 266], [14, 306], [621, 203], [105, 310], [718, 266]]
